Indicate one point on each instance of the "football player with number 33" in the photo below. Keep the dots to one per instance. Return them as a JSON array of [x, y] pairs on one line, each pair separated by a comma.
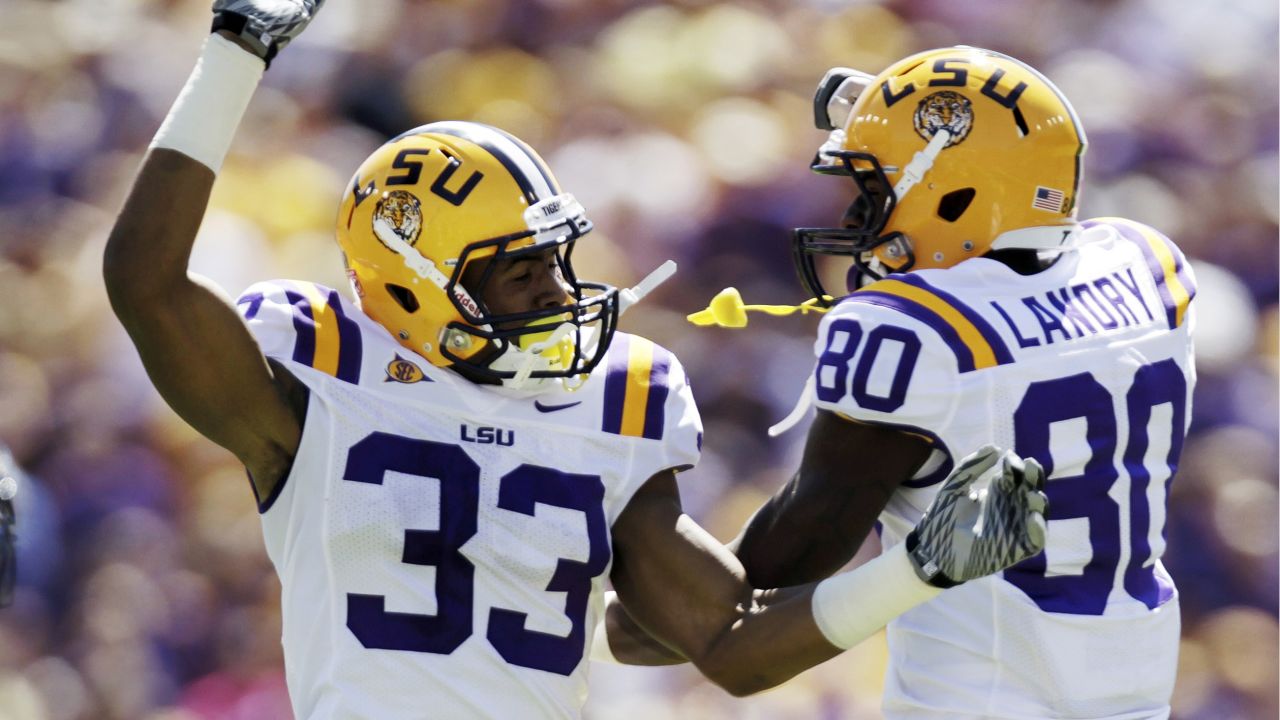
[[979, 310], [450, 467]]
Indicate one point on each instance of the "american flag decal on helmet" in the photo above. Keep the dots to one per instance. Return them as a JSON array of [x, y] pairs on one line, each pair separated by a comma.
[[1048, 199]]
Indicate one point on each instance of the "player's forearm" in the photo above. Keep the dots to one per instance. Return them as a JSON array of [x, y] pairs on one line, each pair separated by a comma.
[[790, 541], [774, 639], [788, 631]]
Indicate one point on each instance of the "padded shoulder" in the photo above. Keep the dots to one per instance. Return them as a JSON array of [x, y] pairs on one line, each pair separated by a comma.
[[647, 395], [892, 355], [305, 323], [974, 343], [1168, 266]]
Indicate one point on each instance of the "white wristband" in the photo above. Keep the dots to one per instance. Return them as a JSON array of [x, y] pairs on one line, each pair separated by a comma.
[[849, 607], [204, 118]]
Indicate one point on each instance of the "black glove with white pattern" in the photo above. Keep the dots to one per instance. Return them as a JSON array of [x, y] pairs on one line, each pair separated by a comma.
[[968, 533], [266, 26]]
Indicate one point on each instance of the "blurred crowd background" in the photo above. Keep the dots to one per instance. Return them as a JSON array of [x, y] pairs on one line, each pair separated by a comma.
[[685, 128]]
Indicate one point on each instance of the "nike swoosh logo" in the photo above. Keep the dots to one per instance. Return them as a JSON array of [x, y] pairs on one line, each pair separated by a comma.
[[553, 408]]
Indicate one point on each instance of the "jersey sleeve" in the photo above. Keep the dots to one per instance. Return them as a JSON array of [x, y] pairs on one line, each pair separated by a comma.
[[877, 365], [304, 323], [647, 396]]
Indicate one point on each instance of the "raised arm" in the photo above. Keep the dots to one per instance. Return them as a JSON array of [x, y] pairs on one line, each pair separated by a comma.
[[196, 349], [686, 590]]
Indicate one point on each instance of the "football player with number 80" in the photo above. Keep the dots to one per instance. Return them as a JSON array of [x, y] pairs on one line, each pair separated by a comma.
[[976, 308]]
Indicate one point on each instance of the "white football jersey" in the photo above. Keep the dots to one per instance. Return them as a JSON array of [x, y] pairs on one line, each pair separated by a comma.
[[1087, 367], [443, 546]]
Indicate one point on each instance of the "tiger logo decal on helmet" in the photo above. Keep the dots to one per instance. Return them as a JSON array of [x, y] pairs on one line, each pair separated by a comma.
[[399, 212], [944, 110]]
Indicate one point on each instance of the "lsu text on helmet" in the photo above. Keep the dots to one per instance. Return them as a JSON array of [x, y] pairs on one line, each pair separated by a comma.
[[954, 152], [436, 198]]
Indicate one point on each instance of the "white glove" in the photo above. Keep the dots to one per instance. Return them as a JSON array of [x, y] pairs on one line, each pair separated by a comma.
[[969, 533], [265, 25]]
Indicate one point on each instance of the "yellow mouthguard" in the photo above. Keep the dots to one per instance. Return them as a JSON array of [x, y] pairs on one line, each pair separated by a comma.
[[727, 309], [560, 353]]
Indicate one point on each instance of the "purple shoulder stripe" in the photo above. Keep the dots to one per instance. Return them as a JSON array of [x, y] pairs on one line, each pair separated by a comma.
[[1175, 284], [655, 409], [304, 325], [254, 301], [998, 347], [913, 309], [350, 348], [615, 383]]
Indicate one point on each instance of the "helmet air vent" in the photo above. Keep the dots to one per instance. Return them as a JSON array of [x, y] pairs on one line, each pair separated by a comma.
[[404, 297], [954, 203]]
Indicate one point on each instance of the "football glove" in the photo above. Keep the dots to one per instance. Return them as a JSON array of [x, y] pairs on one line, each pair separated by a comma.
[[266, 26], [968, 533]]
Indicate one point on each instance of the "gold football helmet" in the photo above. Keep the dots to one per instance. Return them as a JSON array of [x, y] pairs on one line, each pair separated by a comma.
[[954, 152], [429, 202]]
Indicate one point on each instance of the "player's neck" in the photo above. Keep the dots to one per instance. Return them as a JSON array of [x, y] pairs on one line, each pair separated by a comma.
[[1023, 262]]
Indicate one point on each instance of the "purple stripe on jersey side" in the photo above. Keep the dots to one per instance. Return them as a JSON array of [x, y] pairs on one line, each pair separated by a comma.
[[911, 308], [655, 409], [349, 347], [1157, 270], [998, 348], [304, 324], [254, 300], [615, 384]]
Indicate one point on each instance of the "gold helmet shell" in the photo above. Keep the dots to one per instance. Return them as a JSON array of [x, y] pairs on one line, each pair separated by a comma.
[[955, 152]]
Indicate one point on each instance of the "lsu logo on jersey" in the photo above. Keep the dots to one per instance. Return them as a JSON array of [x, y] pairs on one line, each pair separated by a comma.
[[402, 371]]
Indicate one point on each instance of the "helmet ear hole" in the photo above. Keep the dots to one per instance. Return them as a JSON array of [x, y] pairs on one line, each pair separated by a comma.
[[404, 297], [954, 203]]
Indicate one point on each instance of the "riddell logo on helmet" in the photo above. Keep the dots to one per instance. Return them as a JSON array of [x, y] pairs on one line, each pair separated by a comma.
[[466, 302], [355, 282]]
